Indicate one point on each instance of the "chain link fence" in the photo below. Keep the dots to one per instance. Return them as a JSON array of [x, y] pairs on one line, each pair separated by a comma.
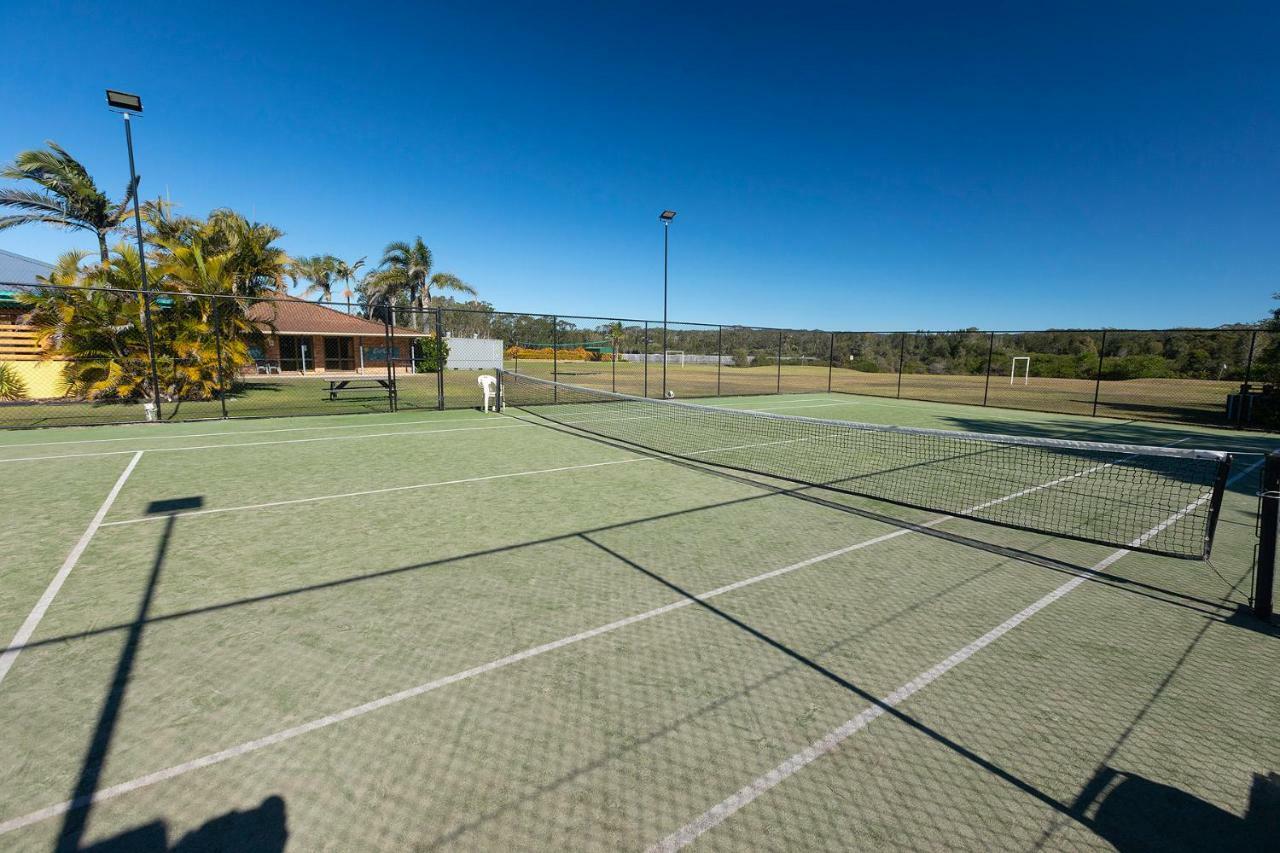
[[98, 356]]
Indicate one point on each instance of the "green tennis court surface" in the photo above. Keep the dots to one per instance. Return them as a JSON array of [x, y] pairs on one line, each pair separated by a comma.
[[459, 630]]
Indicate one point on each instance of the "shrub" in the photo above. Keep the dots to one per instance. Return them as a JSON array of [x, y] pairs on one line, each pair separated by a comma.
[[11, 385], [547, 353], [432, 355], [741, 358], [865, 365]]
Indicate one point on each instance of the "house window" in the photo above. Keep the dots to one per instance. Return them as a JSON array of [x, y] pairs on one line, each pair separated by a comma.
[[338, 354], [296, 353]]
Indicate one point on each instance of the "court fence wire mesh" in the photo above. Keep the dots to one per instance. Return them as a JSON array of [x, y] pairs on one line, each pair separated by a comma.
[[97, 355], [1161, 500]]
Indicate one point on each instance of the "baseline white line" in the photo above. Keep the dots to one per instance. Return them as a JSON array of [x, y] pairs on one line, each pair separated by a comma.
[[366, 492], [37, 613], [744, 796], [233, 432], [359, 710], [265, 443]]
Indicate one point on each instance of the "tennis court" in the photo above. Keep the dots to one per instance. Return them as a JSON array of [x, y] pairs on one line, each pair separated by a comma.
[[512, 631]]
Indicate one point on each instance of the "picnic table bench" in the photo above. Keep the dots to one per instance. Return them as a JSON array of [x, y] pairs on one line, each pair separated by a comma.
[[338, 387]]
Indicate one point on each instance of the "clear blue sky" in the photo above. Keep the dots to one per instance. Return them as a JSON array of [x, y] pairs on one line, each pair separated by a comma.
[[1004, 166]]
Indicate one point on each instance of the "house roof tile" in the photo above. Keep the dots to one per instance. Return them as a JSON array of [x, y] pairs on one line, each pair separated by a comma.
[[289, 315]]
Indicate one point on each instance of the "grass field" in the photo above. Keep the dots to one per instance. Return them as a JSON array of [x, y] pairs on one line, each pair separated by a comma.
[[1168, 400], [455, 630]]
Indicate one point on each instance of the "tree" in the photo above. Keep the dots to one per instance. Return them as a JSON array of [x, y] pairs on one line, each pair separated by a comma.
[[615, 333], [346, 273], [256, 266], [448, 281], [98, 332], [319, 270], [68, 198], [403, 275]]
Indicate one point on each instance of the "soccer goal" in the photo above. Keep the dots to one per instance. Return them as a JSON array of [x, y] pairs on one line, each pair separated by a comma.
[[1026, 369], [675, 356]]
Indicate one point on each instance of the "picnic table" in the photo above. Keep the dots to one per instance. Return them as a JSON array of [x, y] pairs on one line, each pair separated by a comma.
[[338, 387]]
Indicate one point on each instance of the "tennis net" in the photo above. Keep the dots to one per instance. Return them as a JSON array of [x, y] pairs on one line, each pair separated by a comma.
[[1162, 500]]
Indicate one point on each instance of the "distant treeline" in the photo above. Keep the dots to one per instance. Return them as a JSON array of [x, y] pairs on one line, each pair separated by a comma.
[[1220, 354]]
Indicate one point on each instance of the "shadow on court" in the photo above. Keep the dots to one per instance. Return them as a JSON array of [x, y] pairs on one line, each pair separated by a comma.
[[263, 829], [77, 817], [1135, 813]]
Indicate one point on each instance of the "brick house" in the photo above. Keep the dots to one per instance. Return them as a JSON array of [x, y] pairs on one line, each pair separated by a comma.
[[307, 336]]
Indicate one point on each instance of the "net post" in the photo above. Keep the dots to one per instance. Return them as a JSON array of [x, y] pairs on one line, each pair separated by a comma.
[[1215, 503], [440, 360], [778, 390], [831, 359], [497, 389], [991, 348], [1268, 527], [1097, 380], [555, 356]]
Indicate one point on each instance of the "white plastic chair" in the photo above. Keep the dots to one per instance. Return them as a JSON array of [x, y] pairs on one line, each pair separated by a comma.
[[489, 384]]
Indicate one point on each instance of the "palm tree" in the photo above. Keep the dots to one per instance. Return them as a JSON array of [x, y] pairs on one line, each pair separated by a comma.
[[70, 198], [615, 333], [404, 274], [98, 332], [346, 272], [256, 266], [319, 270], [448, 281]]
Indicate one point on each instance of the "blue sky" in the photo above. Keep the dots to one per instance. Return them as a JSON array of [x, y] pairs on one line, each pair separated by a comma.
[[833, 165]]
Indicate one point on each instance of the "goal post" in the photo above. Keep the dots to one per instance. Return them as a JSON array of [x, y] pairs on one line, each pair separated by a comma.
[[674, 355], [1026, 369]]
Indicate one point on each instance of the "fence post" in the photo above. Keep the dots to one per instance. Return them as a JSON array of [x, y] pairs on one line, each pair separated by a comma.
[[1248, 377], [831, 359], [149, 327], [387, 356], [440, 360], [555, 357], [1097, 382], [644, 359], [719, 355], [778, 390], [991, 348], [217, 343], [1268, 529], [902, 355], [613, 367]]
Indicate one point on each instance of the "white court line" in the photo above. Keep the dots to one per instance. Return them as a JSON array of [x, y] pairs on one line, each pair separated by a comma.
[[359, 710], [394, 698], [266, 443], [37, 612], [231, 432], [366, 492], [744, 796]]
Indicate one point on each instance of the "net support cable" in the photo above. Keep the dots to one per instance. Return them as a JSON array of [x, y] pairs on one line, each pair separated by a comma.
[[1160, 500]]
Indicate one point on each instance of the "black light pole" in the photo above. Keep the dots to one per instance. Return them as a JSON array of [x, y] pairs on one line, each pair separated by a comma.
[[127, 105], [666, 216]]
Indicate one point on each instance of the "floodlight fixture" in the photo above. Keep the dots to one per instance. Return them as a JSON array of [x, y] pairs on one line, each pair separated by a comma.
[[124, 101]]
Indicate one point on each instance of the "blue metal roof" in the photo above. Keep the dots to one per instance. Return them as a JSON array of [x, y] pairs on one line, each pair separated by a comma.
[[19, 269]]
